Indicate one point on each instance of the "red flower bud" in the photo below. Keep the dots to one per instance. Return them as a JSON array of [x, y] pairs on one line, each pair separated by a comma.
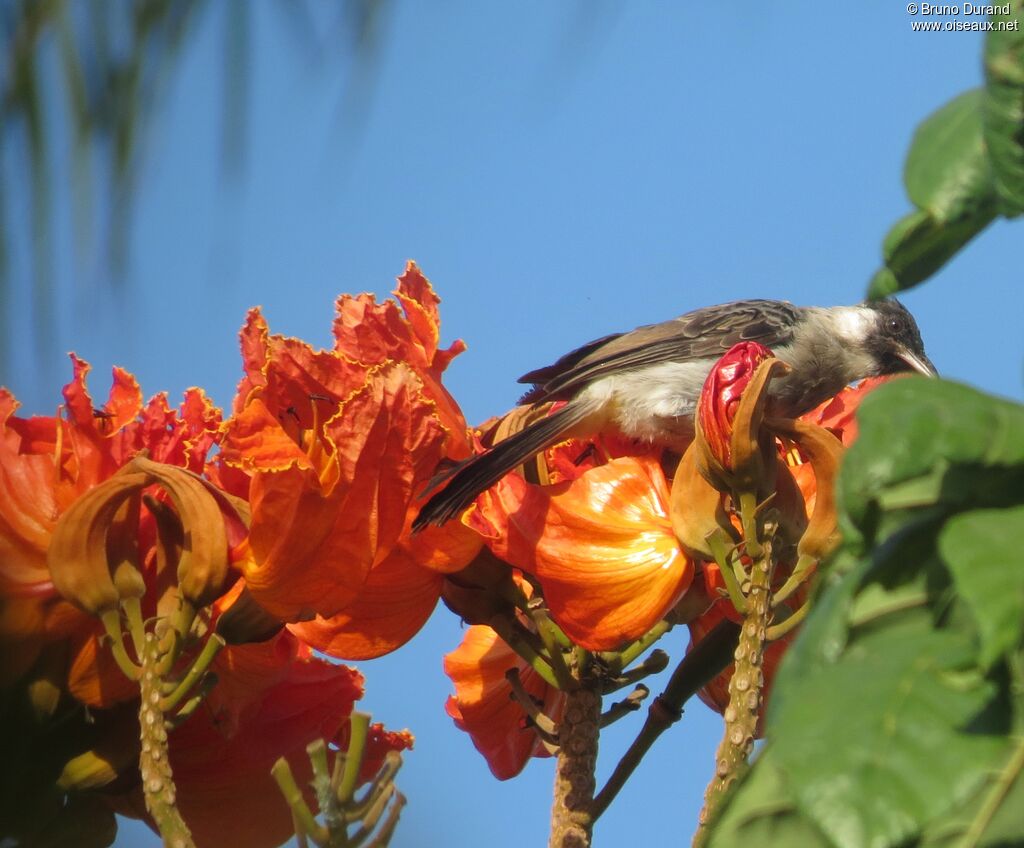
[[720, 397]]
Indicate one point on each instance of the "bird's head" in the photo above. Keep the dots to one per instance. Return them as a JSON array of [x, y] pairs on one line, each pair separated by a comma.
[[892, 340]]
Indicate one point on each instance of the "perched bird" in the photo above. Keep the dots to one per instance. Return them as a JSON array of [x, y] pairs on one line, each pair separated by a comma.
[[645, 383]]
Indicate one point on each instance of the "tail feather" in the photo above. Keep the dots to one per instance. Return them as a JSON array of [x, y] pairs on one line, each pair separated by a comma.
[[475, 475]]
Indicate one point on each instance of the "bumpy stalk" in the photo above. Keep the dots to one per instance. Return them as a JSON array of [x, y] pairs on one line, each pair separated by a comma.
[[746, 690], [571, 817], [154, 767]]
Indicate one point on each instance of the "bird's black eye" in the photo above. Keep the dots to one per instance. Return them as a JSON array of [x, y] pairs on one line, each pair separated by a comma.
[[895, 325]]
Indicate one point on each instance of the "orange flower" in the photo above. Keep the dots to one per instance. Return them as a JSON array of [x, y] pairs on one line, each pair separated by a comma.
[[338, 443], [271, 700], [394, 602], [372, 334], [482, 706], [838, 414], [46, 464], [602, 547]]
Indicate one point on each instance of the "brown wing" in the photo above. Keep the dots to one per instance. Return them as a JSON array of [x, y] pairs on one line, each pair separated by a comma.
[[702, 334]]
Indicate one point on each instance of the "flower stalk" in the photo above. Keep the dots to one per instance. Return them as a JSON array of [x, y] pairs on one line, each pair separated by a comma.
[[572, 819], [334, 785], [745, 688], [154, 765]]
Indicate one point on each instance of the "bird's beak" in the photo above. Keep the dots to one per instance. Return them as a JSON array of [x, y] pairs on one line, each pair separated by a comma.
[[919, 363]]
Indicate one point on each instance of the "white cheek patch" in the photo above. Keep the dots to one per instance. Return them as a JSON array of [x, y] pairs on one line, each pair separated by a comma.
[[852, 323]]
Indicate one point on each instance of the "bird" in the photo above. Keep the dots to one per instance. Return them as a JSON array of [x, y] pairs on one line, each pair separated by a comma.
[[645, 383]]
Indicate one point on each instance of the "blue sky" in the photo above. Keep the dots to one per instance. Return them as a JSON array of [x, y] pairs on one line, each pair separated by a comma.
[[560, 170]]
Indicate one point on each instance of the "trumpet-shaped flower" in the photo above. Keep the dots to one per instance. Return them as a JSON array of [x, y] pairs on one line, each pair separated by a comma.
[[46, 464], [602, 547], [338, 444]]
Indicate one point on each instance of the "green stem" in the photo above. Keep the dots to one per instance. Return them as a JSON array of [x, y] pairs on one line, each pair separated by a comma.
[[996, 795], [357, 809], [174, 640], [656, 663], [619, 661], [112, 625], [133, 612], [748, 519], [359, 727], [387, 830], [517, 643], [629, 704], [373, 815], [552, 648], [195, 672], [544, 725], [787, 625], [717, 542], [301, 814], [804, 566]]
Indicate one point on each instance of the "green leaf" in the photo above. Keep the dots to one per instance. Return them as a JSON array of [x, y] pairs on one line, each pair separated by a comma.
[[983, 550], [991, 818], [767, 815], [947, 171], [1003, 109], [948, 178], [874, 746], [896, 717], [956, 447], [919, 244]]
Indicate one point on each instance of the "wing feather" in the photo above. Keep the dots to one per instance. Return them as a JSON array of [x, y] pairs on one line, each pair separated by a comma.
[[702, 334]]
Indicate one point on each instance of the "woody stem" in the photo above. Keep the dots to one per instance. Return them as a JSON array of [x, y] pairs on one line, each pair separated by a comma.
[[572, 819]]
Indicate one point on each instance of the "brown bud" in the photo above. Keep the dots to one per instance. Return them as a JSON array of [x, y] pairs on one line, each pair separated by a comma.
[[697, 509], [246, 621], [78, 556], [203, 564], [482, 590], [824, 452]]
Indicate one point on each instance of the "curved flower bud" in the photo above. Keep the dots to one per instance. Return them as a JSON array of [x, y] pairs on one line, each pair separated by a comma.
[[697, 509], [77, 556], [203, 565], [733, 452], [824, 452], [720, 397]]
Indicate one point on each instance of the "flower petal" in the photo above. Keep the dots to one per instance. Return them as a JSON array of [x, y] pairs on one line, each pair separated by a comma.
[[603, 548], [482, 707], [393, 604]]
